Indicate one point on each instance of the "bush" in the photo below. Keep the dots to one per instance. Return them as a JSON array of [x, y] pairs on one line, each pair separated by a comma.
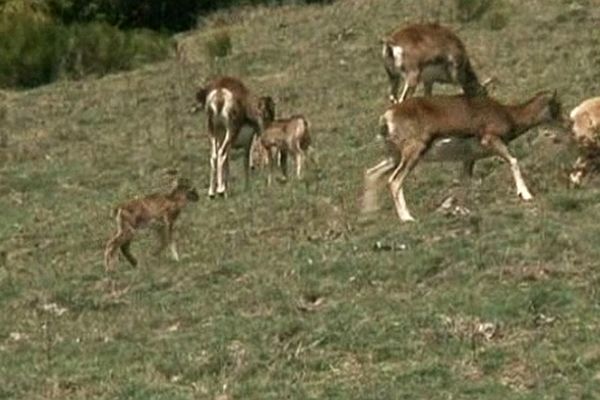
[[36, 52], [31, 51], [219, 45], [41, 40], [167, 15], [98, 48]]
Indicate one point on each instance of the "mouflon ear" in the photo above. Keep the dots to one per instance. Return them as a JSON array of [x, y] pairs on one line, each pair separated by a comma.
[[266, 105], [201, 94]]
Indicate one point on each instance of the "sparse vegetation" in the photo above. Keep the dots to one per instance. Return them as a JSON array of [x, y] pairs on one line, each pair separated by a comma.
[[284, 293], [470, 10], [497, 20]]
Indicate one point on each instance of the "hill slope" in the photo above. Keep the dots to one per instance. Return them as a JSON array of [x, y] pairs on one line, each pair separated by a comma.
[[285, 292]]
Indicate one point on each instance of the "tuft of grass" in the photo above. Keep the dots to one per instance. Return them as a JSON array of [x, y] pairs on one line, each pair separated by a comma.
[[497, 20], [471, 10], [219, 45]]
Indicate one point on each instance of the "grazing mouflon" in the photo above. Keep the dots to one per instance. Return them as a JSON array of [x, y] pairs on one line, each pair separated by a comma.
[[427, 53]]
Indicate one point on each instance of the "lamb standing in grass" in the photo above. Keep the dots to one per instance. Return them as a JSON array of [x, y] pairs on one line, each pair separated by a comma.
[[139, 213], [284, 136]]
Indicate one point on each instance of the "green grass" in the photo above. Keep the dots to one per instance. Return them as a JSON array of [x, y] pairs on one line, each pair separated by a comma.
[[285, 292]]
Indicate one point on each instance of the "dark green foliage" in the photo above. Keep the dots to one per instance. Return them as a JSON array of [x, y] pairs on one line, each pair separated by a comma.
[[40, 41], [152, 14], [98, 48], [31, 52], [37, 52]]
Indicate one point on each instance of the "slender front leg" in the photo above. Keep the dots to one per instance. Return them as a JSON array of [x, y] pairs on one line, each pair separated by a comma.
[[222, 157], [500, 149], [270, 165], [110, 254], [248, 163], [372, 178], [410, 156], [395, 185], [394, 81], [213, 167], [253, 151], [121, 240], [171, 241], [300, 156], [410, 84], [402, 208], [282, 157], [126, 251], [226, 173]]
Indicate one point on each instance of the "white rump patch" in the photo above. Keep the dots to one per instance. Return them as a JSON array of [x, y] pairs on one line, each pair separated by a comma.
[[398, 52], [220, 94]]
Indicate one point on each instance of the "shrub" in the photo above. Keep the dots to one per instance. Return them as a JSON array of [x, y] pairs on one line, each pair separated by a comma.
[[31, 51], [98, 48], [167, 15], [36, 52], [219, 45], [94, 48], [147, 46], [497, 20]]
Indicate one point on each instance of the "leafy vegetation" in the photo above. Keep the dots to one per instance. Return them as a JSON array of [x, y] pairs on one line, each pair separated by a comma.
[[159, 15], [38, 52], [286, 292], [37, 49], [42, 40]]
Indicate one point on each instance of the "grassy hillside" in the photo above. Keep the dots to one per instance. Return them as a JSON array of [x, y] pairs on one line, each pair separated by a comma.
[[284, 292]]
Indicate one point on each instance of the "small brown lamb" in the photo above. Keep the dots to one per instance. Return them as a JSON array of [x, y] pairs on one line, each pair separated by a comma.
[[283, 136], [163, 208]]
